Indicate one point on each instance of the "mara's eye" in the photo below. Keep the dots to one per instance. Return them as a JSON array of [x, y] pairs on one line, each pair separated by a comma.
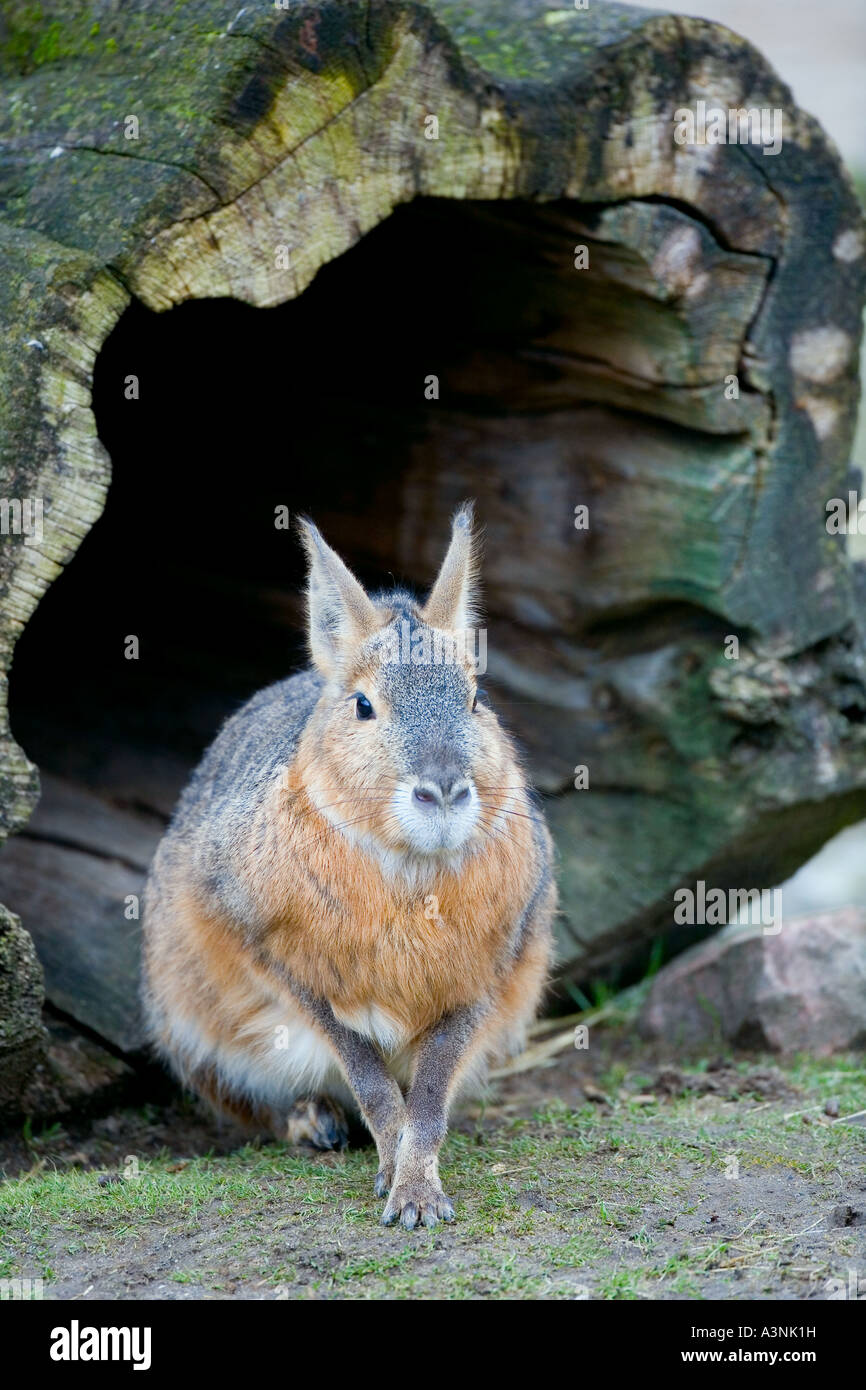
[[474, 703], [363, 708]]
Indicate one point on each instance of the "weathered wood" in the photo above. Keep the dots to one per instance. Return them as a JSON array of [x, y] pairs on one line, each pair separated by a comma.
[[302, 131], [75, 904], [77, 872]]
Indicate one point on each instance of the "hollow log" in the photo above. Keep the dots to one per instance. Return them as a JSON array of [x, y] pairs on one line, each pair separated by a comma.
[[490, 270]]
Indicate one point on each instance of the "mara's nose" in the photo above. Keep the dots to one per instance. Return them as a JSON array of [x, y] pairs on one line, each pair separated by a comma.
[[442, 790]]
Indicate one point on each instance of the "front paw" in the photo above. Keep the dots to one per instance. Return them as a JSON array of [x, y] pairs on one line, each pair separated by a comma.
[[417, 1202]]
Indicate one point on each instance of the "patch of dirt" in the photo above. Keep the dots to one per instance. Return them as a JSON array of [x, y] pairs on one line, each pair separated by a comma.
[[723, 1181], [574, 1076], [722, 1079], [182, 1127]]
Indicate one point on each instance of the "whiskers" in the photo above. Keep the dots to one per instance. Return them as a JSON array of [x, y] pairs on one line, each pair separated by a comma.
[[499, 823], [365, 802], [496, 823]]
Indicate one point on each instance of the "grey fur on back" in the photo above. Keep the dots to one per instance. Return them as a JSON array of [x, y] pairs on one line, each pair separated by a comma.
[[248, 750], [232, 780]]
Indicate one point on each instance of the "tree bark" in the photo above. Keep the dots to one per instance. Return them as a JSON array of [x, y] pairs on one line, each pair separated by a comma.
[[203, 150]]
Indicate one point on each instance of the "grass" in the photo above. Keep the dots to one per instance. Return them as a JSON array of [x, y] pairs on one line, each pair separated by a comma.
[[560, 1202]]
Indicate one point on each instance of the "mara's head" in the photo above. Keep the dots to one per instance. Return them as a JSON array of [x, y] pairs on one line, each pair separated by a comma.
[[406, 750]]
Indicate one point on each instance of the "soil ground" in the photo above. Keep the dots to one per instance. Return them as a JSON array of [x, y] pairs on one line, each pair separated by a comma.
[[615, 1172]]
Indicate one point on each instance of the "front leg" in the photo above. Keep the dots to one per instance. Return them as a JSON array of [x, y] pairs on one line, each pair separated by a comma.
[[416, 1194], [379, 1098]]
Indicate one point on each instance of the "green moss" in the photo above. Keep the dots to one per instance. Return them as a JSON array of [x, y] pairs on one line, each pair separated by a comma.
[[523, 42], [49, 47]]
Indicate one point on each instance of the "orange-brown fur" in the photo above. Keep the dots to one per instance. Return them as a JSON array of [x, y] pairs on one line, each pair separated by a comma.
[[417, 969]]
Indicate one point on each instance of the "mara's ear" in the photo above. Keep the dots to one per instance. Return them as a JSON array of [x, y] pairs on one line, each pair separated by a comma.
[[452, 601], [339, 612]]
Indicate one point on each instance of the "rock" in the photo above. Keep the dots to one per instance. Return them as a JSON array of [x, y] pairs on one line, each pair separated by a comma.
[[70, 1078], [803, 989], [22, 1035]]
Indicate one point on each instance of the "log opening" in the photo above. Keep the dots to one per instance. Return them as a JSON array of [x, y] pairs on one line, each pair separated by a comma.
[[564, 377], [556, 388]]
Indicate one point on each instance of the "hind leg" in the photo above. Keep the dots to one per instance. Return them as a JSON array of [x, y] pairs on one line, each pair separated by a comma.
[[317, 1122]]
